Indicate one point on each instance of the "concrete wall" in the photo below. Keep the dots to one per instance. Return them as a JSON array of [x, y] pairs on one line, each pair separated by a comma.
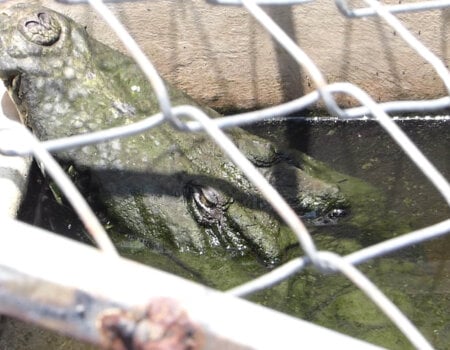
[[223, 58]]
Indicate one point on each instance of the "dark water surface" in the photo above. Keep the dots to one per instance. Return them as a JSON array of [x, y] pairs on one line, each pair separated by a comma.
[[417, 279]]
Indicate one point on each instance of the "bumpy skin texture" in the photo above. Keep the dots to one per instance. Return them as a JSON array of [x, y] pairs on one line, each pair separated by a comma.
[[174, 190]]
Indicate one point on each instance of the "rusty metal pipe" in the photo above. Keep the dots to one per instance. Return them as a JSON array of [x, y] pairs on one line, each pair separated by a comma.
[[116, 303]]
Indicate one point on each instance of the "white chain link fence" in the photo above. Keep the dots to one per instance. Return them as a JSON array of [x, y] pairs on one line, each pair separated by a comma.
[[324, 261]]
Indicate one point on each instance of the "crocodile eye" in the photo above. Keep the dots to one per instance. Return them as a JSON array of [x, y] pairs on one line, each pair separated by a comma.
[[207, 204], [207, 198], [42, 29], [204, 197]]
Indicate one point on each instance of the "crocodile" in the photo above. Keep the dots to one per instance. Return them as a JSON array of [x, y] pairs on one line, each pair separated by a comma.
[[175, 191]]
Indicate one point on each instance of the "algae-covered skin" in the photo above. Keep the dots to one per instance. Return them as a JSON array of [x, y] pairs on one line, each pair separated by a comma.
[[173, 190]]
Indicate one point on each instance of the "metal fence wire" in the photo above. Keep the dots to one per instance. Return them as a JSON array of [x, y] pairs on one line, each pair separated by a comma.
[[16, 140]]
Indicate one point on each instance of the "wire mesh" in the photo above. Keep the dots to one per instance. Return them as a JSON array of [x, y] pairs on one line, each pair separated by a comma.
[[191, 119]]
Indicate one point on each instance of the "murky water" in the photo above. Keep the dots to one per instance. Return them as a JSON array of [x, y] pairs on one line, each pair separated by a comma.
[[416, 278]]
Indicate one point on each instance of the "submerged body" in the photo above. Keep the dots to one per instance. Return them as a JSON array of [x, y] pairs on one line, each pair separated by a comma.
[[171, 189]]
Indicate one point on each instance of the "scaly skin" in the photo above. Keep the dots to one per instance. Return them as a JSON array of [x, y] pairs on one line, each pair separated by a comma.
[[173, 190]]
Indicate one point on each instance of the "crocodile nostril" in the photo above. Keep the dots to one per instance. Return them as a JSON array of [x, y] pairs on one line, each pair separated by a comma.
[[338, 213], [43, 17], [41, 29]]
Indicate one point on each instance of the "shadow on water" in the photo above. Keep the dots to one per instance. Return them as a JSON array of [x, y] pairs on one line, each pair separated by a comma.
[[415, 278]]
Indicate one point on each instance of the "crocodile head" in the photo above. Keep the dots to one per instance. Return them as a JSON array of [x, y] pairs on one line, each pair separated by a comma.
[[173, 190]]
